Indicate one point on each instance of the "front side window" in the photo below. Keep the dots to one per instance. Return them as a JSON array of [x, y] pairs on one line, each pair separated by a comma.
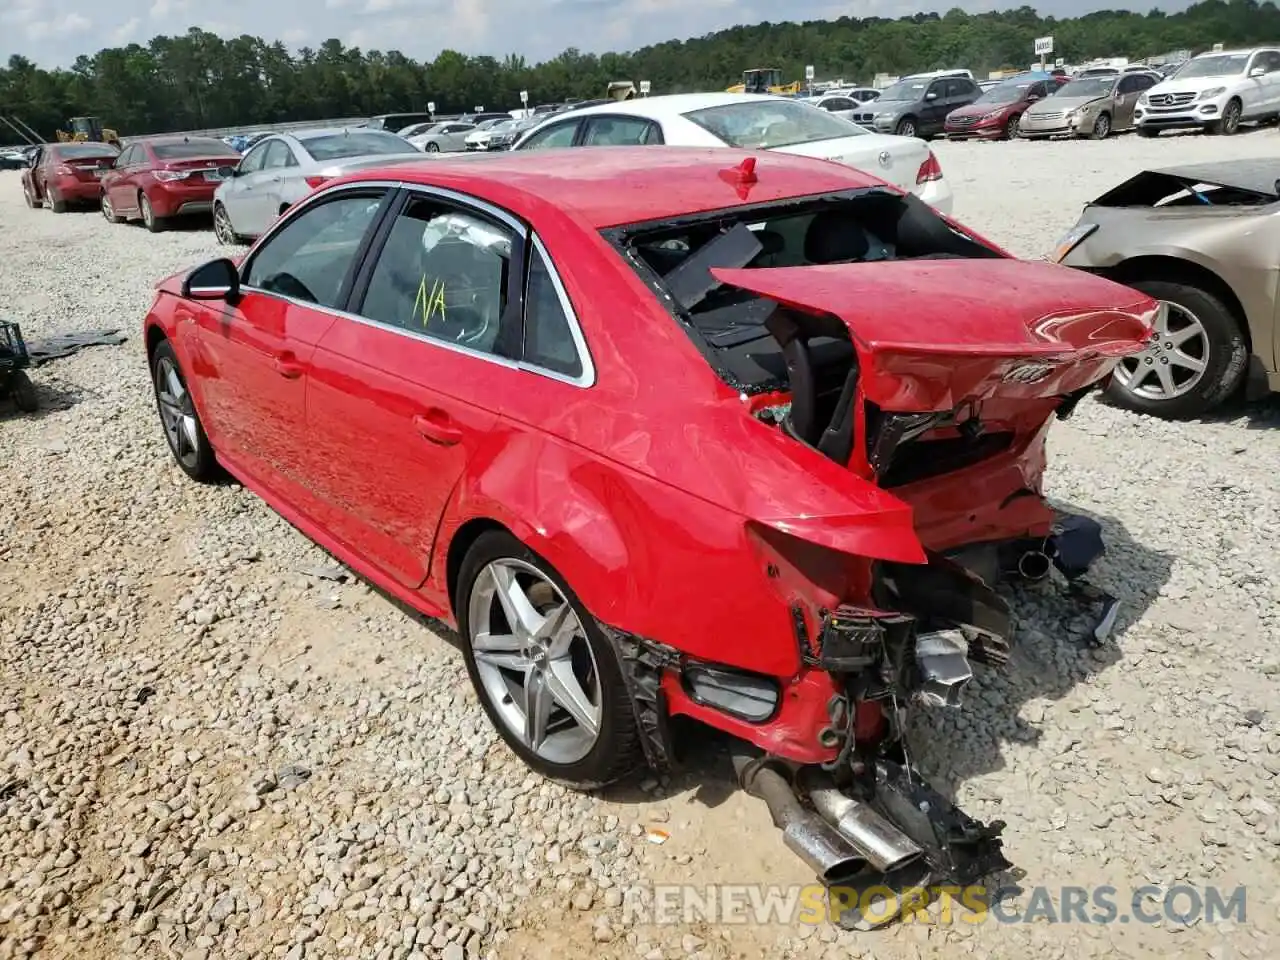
[[311, 256], [443, 272], [762, 124], [253, 160], [560, 135]]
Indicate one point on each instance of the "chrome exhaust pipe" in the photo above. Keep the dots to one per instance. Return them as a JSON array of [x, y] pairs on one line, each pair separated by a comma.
[[1034, 565], [833, 858], [883, 845]]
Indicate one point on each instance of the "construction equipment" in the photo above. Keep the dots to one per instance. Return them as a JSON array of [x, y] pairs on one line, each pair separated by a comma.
[[88, 129], [765, 80], [14, 360]]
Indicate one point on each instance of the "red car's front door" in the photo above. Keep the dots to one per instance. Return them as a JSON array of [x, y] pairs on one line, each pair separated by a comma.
[[401, 400], [252, 358]]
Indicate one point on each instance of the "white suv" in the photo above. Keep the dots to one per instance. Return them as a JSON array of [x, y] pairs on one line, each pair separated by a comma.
[[1215, 92]]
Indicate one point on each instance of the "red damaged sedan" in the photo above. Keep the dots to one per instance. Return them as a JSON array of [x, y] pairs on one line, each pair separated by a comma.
[[997, 113], [61, 175], [665, 432], [160, 178]]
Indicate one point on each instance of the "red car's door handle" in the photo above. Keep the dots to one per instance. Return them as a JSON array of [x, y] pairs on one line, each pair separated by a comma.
[[438, 427], [288, 367]]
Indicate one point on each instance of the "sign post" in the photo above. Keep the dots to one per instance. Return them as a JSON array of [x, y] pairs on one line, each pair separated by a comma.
[[1217, 48], [808, 77], [524, 102], [1043, 46], [431, 109], [644, 88]]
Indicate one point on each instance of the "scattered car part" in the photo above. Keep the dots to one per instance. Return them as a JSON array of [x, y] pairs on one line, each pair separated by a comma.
[[14, 359], [64, 345]]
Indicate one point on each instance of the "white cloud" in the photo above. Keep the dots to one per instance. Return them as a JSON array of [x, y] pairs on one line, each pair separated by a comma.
[[59, 26], [162, 9], [127, 32]]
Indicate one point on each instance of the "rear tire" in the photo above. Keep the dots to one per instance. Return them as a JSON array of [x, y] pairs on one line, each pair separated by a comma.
[[57, 204], [23, 392], [615, 751], [149, 219], [1222, 349], [32, 202]]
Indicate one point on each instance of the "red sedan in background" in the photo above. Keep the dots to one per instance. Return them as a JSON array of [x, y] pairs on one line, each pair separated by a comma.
[[161, 178], [64, 174], [995, 115], [746, 438]]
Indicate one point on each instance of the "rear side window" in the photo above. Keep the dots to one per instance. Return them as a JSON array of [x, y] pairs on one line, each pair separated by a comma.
[[620, 131], [548, 336], [443, 272], [279, 155], [359, 143]]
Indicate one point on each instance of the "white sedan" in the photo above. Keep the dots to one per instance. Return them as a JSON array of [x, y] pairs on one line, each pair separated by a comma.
[[749, 121]]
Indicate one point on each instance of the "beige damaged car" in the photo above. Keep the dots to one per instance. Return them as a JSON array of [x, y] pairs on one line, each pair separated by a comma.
[[1088, 107], [1204, 240]]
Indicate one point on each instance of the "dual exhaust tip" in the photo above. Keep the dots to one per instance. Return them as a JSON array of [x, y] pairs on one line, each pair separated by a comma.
[[840, 838]]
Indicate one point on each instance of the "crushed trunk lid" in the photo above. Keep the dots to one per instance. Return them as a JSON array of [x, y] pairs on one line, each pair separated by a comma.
[[931, 335]]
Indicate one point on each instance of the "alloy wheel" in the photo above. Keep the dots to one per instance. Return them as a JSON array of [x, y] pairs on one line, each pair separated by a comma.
[[222, 226], [107, 212], [1102, 127], [177, 413], [433, 148], [906, 129], [148, 215], [1173, 363], [1231, 118], [534, 662]]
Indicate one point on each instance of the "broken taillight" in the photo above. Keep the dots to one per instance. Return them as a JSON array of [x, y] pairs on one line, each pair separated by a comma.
[[314, 182], [63, 170], [929, 170]]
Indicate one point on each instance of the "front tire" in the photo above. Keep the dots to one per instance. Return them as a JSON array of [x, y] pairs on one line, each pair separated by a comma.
[[1101, 127], [1194, 363], [182, 428], [906, 127], [1229, 125], [32, 202], [542, 668], [223, 230], [108, 211]]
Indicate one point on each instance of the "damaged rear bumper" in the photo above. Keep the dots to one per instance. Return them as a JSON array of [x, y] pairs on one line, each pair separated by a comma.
[[824, 748]]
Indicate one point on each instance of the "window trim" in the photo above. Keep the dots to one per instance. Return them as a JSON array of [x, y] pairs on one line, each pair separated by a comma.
[[579, 138], [398, 194]]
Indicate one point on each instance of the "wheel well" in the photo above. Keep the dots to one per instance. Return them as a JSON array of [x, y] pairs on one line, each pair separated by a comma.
[[155, 336], [462, 541], [1186, 272]]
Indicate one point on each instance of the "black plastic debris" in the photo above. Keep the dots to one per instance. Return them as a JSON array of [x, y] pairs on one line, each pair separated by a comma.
[[57, 347]]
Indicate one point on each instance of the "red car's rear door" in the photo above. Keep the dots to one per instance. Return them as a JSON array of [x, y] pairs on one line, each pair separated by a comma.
[[403, 396], [252, 357]]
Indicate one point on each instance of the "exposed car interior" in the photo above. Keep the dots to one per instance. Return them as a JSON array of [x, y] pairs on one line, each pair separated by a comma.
[[758, 346]]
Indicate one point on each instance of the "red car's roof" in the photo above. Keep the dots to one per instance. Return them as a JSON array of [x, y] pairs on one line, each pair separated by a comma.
[[609, 186]]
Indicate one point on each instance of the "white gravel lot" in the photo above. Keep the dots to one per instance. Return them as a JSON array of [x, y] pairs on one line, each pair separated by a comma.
[[206, 753]]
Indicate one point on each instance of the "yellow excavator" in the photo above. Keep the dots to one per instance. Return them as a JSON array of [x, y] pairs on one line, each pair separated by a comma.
[[765, 80], [88, 129]]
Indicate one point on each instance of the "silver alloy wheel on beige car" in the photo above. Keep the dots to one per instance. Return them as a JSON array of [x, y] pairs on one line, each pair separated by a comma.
[[1102, 127], [1173, 363]]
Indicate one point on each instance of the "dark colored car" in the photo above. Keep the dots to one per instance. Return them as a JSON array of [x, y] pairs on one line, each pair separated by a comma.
[[393, 122], [158, 179], [995, 115], [60, 175], [740, 507], [917, 106]]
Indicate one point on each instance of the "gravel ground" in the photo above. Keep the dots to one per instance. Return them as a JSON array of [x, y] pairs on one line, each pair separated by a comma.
[[209, 750]]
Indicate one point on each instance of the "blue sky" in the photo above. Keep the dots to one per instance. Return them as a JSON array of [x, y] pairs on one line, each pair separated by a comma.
[[54, 34]]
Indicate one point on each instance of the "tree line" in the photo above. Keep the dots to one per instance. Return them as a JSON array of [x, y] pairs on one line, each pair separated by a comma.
[[201, 80]]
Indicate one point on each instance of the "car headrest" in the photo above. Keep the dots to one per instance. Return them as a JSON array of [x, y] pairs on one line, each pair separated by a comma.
[[834, 236]]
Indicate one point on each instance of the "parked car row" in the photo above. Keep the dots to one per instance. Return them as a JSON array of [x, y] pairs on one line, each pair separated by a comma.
[[1215, 92]]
